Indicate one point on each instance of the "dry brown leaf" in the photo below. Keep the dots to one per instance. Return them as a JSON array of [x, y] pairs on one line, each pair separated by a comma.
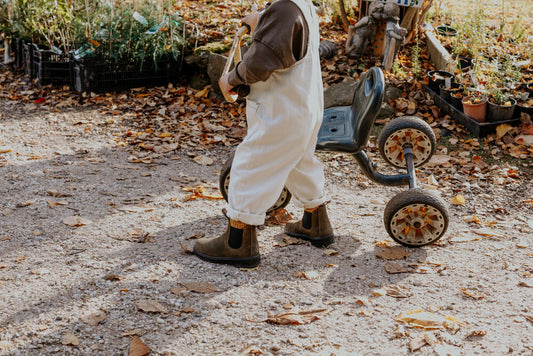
[[502, 129], [200, 287], [53, 204], [150, 306], [76, 221], [417, 342], [426, 320], [297, 317], [288, 240], [489, 233], [138, 348], [113, 277], [56, 194], [203, 160], [331, 252], [278, 217], [307, 275], [397, 291], [392, 253], [4, 149], [393, 268], [362, 300], [94, 319], [528, 284], [70, 339], [458, 200], [472, 293], [383, 243], [186, 250], [5, 238]]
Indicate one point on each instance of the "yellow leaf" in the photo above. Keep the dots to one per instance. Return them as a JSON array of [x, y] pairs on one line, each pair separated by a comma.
[[458, 200], [502, 129]]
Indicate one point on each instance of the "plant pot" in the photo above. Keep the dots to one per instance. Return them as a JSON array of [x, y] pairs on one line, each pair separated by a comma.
[[524, 107], [465, 63], [445, 93], [497, 113], [477, 111], [456, 99], [437, 77], [446, 30]]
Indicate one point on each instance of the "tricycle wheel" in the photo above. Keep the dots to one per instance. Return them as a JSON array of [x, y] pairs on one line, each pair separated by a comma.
[[223, 183], [416, 217], [408, 131]]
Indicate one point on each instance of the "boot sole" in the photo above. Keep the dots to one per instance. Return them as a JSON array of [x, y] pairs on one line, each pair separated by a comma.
[[241, 262], [322, 241]]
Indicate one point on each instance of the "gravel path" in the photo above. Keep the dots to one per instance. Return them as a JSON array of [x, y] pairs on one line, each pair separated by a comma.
[[88, 290]]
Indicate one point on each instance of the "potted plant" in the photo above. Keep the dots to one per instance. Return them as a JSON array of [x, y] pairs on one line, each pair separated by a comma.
[[524, 104], [475, 106], [447, 91], [500, 106], [438, 77]]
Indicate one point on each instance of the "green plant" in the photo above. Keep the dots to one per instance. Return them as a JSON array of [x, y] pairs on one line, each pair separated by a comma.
[[120, 32]]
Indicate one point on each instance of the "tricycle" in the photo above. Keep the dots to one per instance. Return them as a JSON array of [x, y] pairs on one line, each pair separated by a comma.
[[415, 217]]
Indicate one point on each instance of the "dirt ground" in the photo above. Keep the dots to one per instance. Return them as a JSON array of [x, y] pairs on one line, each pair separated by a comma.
[[125, 271]]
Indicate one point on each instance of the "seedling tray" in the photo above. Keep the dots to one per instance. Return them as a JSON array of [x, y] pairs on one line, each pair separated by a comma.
[[476, 128], [101, 77], [51, 67]]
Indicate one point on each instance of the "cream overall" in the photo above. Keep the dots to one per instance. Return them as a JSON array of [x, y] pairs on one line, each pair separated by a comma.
[[284, 114]]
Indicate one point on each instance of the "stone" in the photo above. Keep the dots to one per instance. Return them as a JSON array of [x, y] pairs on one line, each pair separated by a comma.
[[392, 93], [339, 94]]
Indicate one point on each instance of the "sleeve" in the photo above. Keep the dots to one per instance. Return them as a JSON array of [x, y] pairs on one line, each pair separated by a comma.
[[279, 41]]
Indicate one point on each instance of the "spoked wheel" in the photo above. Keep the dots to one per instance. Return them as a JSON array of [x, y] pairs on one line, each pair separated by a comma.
[[404, 132], [223, 183], [416, 217]]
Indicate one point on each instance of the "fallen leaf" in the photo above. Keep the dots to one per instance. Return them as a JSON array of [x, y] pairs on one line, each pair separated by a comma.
[[5, 238], [362, 300], [393, 268], [200, 287], [278, 217], [528, 284], [138, 348], [425, 320], [40, 271], [331, 252], [392, 253], [94, 319], [186, 250], [383, 243], [113, 277], [56, 194], [70, 339], [289, 240], [307, 275], [417, 342], [4, 149], [458, 200], [53, 204], [297, 317], [203, 160], [397, 291], [150, 306], [488, 233], [76, 221], [502, 129], [399, 332]]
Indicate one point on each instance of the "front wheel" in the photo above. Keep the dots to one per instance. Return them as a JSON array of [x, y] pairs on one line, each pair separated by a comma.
[[416, 217], [223, 183]]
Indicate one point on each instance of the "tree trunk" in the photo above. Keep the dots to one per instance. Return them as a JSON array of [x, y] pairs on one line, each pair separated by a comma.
[[344, 18]]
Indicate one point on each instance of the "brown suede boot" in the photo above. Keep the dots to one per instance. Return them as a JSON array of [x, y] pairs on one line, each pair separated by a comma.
[[219, 249], [314, 227]]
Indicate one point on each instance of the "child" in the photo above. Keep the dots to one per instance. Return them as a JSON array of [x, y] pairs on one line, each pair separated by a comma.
[[284, 112]]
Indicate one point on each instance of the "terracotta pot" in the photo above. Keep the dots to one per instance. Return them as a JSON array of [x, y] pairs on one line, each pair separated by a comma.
[[476, 111], [497, 112], [445, 93], [437, 77]]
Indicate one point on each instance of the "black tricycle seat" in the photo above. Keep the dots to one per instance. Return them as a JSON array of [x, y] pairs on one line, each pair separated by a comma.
[[347, 128]]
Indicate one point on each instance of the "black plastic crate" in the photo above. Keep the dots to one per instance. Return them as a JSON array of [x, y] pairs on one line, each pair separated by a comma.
[[50, 67], [92, 75], [27, 52], [18, 50], [478, 129]]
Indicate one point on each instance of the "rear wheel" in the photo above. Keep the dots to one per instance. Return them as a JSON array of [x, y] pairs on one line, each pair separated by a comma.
[[223, 183], [416, 217], [408, 131]]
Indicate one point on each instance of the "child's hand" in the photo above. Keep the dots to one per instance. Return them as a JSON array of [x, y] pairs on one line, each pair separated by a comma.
[[224, 85], [251, 20]]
